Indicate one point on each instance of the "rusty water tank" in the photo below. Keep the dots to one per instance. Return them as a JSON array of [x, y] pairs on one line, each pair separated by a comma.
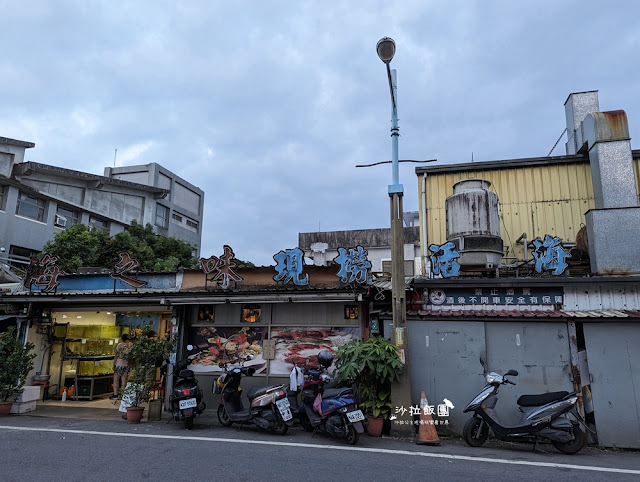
[[473, 224]]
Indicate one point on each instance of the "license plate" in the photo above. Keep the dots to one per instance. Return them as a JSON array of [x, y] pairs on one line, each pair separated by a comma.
[[285, 408], [355, 416], [188, 403]]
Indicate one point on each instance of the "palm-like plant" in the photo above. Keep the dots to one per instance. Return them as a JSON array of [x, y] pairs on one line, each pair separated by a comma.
[[371, 366]]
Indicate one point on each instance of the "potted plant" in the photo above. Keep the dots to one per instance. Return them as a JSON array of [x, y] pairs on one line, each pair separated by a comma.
[[371, 366], [16, 362], [145, 355]]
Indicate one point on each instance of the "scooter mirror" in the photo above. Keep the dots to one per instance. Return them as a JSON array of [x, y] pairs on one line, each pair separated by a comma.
[[512, 373], [221, 364], [189, 347], [249, 357]]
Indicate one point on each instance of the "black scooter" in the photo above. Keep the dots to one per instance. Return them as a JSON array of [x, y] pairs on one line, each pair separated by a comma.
[[543, 418], [186, 396]]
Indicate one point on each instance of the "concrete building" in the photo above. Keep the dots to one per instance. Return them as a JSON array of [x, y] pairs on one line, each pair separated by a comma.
[[39, 200], [322, 247], [179, 213]]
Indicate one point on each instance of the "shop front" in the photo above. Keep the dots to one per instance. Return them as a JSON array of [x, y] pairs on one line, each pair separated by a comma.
[[265, 326], [81, 345]]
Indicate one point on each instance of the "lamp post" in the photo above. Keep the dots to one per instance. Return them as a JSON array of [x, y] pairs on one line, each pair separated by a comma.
[[386, 48], [401, 390]]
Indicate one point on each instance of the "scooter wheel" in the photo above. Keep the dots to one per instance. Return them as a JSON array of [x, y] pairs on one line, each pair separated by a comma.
[[281, 426], [223, 416], [188, 423], [576, 445], [473, 434], [305, 423], [352, 436]]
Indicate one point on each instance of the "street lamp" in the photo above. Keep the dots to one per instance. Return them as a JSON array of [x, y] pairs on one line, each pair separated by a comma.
[[400, 390], [386, 49]]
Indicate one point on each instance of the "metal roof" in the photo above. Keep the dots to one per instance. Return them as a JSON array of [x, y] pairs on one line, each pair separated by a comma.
[[425, 282], [539, 314], [385, 284]]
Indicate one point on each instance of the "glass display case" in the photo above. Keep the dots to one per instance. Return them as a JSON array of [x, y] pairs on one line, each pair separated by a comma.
[[86, 357]]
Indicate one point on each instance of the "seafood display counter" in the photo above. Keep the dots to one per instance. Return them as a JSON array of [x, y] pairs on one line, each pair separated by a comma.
[[86, 358], [94, 376]]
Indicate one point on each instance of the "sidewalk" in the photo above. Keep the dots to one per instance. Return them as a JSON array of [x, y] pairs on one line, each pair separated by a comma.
[[98, 409]]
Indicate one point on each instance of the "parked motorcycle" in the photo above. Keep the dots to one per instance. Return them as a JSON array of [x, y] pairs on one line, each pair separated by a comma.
[[543, 418], [329, 408], [269, 406], [186, 396]]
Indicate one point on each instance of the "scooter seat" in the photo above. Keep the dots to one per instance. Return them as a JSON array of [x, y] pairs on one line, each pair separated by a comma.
[[257, 391], [538, 400], [333, 392]]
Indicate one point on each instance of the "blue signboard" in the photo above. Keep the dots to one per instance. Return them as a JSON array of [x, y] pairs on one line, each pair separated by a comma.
[[493, 296]]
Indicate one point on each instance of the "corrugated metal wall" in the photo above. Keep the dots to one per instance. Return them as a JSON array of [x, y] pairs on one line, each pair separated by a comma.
[[535, 200]]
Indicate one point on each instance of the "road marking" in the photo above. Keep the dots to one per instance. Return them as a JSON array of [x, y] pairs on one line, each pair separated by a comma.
[[330, 447]]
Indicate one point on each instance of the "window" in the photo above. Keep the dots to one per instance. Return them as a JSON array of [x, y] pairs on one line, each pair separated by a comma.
[[30, 207], [65, 217], [19, 257], [2, 197], [192, 224], [177, 217], [99, 224], [162, 216]]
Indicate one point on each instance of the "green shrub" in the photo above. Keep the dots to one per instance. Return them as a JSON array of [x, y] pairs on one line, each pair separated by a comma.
[[371, 366], [16, 362]]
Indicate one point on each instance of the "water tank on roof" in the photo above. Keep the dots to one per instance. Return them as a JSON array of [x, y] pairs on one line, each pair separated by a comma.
[[473, 224]]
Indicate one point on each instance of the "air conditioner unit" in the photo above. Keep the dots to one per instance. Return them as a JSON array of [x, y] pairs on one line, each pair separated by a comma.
[[60, 221]]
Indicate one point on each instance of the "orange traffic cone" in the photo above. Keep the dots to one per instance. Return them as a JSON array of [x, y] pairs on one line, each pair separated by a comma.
[[427, 434]]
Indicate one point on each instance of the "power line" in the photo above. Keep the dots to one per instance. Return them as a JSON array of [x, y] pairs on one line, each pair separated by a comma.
[[389, 162]]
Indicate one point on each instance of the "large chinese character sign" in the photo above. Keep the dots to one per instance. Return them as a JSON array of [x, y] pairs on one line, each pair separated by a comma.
[[124, 269], [550, 255], [221, 268], [43, 273], [354, 265], [290, 264], [443, 260]]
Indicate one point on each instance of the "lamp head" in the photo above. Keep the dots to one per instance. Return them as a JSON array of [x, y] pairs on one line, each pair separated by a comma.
[[386, 49]]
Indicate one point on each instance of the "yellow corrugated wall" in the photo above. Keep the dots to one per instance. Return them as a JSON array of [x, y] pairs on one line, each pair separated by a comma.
[[535, 200]]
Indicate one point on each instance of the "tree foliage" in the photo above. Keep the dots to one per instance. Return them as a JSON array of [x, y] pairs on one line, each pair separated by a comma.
[[76, 247]]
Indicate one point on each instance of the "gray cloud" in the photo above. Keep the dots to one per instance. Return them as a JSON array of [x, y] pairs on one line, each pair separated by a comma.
[[268, 106]]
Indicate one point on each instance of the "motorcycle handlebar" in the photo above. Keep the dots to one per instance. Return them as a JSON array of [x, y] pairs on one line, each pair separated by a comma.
[[509, 382]]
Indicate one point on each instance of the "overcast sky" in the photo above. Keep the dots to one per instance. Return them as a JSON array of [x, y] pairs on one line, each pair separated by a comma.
[[268, 106]]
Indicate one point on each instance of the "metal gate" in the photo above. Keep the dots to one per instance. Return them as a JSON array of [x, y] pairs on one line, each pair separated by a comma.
[[445, 362], [538, 351], [613, 350]]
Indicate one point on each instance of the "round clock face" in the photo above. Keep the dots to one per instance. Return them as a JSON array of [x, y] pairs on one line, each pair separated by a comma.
[[437, 296]]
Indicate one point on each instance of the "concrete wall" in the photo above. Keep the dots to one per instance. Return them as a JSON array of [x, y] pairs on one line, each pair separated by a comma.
[[30, 233], [185, 200]]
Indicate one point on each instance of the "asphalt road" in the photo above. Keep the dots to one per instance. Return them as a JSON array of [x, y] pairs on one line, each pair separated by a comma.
[[64, 449]]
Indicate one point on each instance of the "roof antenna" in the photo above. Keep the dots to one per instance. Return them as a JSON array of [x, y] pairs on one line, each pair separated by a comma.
[[471, 156], [115, 154]]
